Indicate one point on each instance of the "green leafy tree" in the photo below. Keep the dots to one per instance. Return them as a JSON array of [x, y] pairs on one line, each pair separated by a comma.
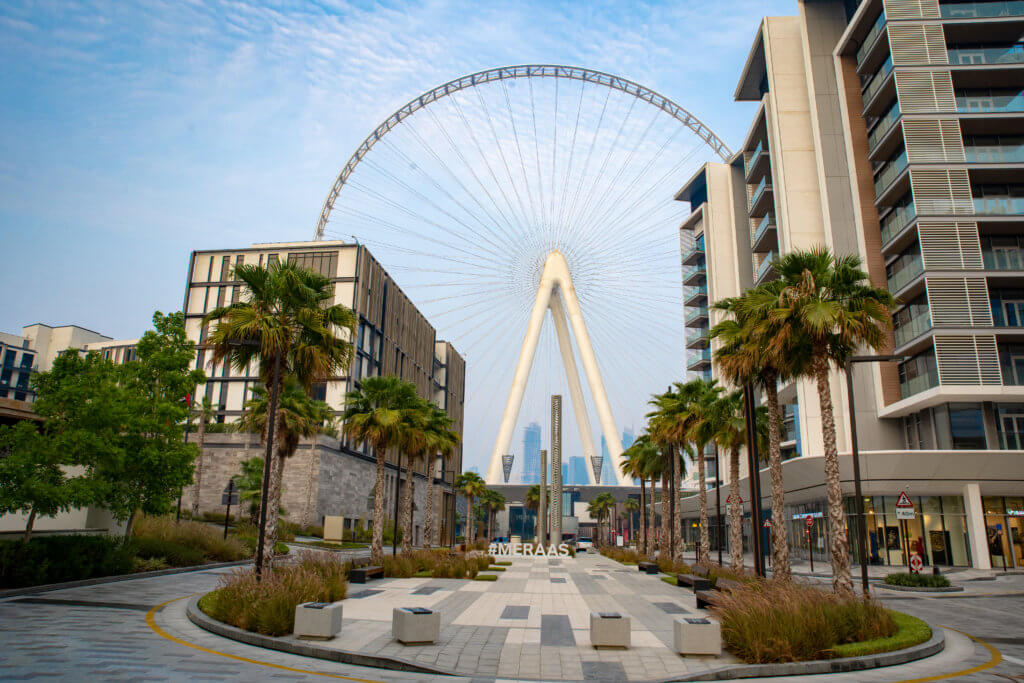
[[203, 416], [472, 486], [250, 485]]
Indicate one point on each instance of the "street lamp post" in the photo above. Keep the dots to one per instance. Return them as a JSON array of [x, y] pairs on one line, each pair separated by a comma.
[[862, 527]]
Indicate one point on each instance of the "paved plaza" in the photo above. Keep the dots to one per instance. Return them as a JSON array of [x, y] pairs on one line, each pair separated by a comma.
[[138, 630]]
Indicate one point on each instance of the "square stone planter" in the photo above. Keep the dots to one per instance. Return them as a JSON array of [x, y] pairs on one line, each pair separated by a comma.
[[609, 629], [317, 620], [415, 625], [697, 636]]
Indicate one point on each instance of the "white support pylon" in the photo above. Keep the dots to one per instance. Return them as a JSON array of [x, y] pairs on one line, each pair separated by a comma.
[[579, 406], [556, 280]]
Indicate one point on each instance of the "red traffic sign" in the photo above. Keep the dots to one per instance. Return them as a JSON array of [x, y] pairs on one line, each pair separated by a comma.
[[728, 499], [904, 501], [767, 524], [810, 521], [916, 563]]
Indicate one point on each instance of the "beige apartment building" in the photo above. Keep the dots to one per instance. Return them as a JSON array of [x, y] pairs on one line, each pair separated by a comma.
[[392, 338], [891, 129]]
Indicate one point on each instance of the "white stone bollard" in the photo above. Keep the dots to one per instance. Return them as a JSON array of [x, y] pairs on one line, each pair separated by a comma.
[[415, 625], [317, 620], [609, 629], [697, 636]]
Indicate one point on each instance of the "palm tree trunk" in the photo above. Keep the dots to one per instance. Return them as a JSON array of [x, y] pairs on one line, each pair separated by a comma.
[[735, 510], [406, 513], [704, 550], [314, 459], [642, 545], [200, 437], [842, 582], [470, 521], [665, 547], [31, 523], [428, 523], [677, 509], [273, 509], [780, 541], [377, 539], [632, 536], [653, 519]]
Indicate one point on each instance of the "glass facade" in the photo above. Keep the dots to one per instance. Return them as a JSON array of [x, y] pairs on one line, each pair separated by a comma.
[[1004, 526]]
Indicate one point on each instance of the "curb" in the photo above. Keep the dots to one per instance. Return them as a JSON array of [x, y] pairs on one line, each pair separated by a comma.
[[922, 589], [932, 646], [294, 646], [29, 590]]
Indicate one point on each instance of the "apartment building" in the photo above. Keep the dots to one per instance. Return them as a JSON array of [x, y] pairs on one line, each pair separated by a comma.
[[392, 338], [891, 129]]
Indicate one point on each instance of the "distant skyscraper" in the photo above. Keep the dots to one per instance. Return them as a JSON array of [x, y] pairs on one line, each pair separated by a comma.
[[627, 438], [531, 453], [565, 472], [578, 471], [607, 476], [474, 468]]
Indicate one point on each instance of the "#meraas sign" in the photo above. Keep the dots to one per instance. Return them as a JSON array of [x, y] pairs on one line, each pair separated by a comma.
[[527, 550]]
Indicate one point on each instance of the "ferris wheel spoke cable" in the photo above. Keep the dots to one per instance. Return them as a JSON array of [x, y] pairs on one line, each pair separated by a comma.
[[519, 150], [590, 150], [536, 150], [568, 171]]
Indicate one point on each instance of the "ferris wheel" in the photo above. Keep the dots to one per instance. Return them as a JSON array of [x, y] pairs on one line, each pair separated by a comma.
[[465, 193]]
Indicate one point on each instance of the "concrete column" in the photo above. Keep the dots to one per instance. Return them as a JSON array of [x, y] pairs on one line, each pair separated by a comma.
[[976, 530], [542, 508], [556, 469]]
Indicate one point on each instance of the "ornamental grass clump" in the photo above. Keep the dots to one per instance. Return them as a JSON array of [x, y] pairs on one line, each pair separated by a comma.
[[268, 606], [779, 621], [918, 580], [623, 555], [208, 541]]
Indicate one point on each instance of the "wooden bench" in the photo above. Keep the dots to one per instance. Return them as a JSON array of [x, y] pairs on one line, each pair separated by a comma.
[[722, 584], [649, 567], [361, 574], [702, 571], [697, 583]]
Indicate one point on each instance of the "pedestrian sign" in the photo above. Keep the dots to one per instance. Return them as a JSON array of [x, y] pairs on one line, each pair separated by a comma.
[[904, 501], [767, 524], [810, 521], [916, 563], [728, 499]]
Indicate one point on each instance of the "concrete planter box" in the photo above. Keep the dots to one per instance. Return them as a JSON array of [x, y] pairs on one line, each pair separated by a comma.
[[317, 620], [609, 629], [415, 625], [697, 637]]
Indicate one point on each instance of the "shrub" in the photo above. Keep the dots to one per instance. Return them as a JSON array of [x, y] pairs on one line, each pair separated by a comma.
[[912, 631], [268, 606], [623, 555], [207, 540], [777, 621], [485, 577], [150, 564], [54, 559], [918, 580], [175, 554], [400, 566]]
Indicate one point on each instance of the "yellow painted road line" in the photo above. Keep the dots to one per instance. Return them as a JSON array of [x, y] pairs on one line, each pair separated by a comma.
[[996, 659], [151, 622]]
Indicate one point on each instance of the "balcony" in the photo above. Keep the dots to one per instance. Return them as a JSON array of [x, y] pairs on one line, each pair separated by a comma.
[[869, 39], [995, 154], [1001, 206], [697, 339], [894, 222], [695, 275], [697, 316], [1003, 259], [977, 10], [757, 160], [1013, 54], [902, 277], [918, 384], [694, 296], [986, 104], [765, 272], [913, 329], [884, 125], [762, 199], [877, 81], [889, 172], [694, 255], [766, 236], [699, 360]]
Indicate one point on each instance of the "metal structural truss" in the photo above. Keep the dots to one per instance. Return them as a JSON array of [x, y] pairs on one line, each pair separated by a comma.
[[557, 294], [510, 72]]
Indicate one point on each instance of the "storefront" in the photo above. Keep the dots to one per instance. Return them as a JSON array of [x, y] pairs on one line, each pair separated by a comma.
[[1004, 525]]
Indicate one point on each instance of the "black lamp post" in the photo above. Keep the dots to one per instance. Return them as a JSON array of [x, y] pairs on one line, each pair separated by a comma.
[[862, 527]]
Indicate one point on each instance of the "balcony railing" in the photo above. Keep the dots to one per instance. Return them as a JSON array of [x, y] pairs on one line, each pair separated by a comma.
[[901, 277], [895, 221], [695, 291], [1003, 259], [980, 104], [698, 336], [767, 223], [884, 125], [697, 313], [696, 272], [889, 172], [759, 190], [766, 264], [1013, 206], [918, 384], [995, 154], [877, 80], [987, 55], [698, 358], [869, 39], [914, 328], [970, 10], [754, 157]]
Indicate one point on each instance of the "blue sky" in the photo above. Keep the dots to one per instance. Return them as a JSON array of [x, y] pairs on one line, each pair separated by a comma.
[[131, 134]]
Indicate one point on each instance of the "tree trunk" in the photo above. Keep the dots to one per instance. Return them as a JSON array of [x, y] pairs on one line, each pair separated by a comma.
[[780, 540], [652, 517], [632, 534], [642, 544], [665, 547], [677, 509], [31, 523], [314, 461], [428, 524], [406, 513], [201, 438], [377, 538], [735, 510], [273, 509], [704, 548], [130, 526], [842, 582], [470, 520]]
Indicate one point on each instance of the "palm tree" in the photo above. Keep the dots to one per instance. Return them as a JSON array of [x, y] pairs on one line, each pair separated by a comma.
[[704, 394], [250, 485], [204, 414], [283, 316], [415, 442], [632, 506], [532, 502], [492, 502], [472, 486], [743, 359], [442, 440], [635, 464], [827, 304], [599, 508], [298, 415], [375, 413]]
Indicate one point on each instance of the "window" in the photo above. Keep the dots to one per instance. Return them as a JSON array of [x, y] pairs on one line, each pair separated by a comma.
[[26, 360], [9, 357], [967, 426], [323, 262], [1010, 426]]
